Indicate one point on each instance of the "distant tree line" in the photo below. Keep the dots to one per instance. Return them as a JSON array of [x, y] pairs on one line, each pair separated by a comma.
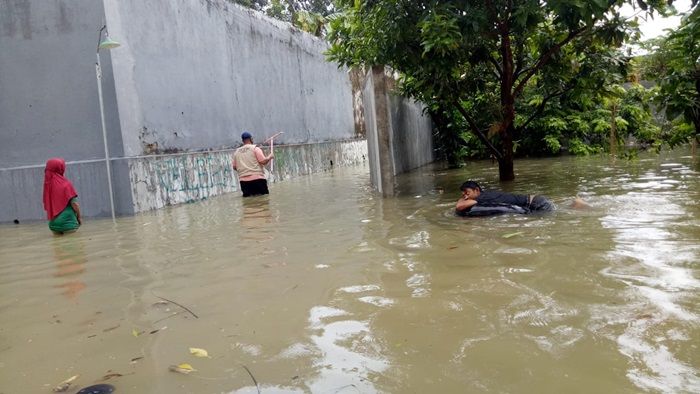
[[308, 15]]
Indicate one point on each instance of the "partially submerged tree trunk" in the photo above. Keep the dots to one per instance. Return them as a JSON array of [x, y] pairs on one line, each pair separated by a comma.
[[505, 163], [613, 130]]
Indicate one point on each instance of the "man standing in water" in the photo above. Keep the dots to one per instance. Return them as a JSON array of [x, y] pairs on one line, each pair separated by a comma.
[[248, 161]]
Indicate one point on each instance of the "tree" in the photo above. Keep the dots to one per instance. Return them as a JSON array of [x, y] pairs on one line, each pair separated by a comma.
[[307, 15], [479, 58], [676, 63]]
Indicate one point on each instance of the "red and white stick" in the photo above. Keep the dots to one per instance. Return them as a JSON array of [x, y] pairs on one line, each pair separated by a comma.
[[272, 150]]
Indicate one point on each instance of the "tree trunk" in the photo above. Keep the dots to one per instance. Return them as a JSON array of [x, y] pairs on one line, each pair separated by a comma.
[[613, 131], [696, 138], [696, 118], [505, 164]]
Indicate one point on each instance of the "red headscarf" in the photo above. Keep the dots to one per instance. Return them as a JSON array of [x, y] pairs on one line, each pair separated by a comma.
[[57, 190]]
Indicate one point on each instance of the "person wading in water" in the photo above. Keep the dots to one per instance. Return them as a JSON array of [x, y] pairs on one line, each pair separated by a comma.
[[60, 199], [248, 161]]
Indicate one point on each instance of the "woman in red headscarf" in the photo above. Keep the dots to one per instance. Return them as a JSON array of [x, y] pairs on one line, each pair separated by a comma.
[[60, 198]]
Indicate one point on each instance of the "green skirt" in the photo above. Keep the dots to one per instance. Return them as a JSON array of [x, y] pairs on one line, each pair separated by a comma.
[[65, 221]]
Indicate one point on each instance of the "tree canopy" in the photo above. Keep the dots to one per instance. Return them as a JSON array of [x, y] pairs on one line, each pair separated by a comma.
[[675, 63], [495, 66]]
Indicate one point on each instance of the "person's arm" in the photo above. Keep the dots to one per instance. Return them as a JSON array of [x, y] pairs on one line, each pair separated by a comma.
[[464, 204], [76, 207], [234, 164], [260, 156]]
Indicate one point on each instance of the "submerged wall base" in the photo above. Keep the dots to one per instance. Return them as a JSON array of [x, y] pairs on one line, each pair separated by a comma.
[[158, 181]]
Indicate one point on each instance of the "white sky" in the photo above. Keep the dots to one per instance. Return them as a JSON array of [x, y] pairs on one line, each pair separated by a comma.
[[655, 27]]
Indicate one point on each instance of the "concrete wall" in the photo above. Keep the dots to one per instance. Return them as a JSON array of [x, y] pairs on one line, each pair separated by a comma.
[[22, 190], [194, 74], [412, 134], [48, 90], [190, 76], [161, 180], [49, 104], [399, 134]]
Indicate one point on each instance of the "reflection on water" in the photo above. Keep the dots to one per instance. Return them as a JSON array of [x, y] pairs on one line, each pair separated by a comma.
[[323, 287], [70, 259]]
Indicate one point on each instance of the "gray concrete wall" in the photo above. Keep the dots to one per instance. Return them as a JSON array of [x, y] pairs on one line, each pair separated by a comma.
[[22, 190], [48, 90], [412, 134], [194, 74], [49, 105], [190, 75]]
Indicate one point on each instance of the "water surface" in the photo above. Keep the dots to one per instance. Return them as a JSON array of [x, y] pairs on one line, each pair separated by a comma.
[[324, 287]]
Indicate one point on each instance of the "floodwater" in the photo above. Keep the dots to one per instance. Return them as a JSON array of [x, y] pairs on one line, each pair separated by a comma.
[[323, 287]]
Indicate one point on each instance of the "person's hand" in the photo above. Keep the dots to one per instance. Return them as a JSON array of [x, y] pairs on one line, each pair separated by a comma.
[[80, 221], [271, 156]]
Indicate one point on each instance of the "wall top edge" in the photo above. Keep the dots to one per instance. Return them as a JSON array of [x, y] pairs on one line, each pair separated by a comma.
[[155, 156]]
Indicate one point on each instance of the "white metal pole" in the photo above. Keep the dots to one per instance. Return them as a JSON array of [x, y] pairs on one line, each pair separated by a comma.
[[98, 70]]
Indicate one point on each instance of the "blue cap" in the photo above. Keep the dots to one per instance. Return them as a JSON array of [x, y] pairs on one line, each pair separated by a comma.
[[246, 135]]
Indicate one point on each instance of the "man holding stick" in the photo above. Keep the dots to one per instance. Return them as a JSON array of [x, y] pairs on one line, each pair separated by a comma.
[[248, 161]]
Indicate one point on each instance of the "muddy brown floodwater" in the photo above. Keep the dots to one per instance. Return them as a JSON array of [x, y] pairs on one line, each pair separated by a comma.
[[323, 287]]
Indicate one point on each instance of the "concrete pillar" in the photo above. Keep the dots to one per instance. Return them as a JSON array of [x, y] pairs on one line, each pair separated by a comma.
[[378, 126]]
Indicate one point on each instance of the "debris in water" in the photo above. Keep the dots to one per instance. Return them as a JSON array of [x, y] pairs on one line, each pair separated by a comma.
[[111, 328], [65, 385], [158, 329], [181, 368], [511, 235], [197, 352], [252, 377], [111, 375], [180, 305], [97, 389], [135, 359]]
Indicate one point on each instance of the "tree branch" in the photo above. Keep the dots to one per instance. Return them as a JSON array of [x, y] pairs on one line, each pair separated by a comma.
[[477, 132], [540, 107], [545, 58], [519, 58], [496, 65]]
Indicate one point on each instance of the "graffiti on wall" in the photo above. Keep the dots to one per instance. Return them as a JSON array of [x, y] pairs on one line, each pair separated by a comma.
[[168, 180], [158, 181]]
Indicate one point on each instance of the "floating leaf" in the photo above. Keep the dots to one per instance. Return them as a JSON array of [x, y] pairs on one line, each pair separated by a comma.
[[134, 332], [63, 386], [183, 368], [111, 375], [511, 235], [199, 352]]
